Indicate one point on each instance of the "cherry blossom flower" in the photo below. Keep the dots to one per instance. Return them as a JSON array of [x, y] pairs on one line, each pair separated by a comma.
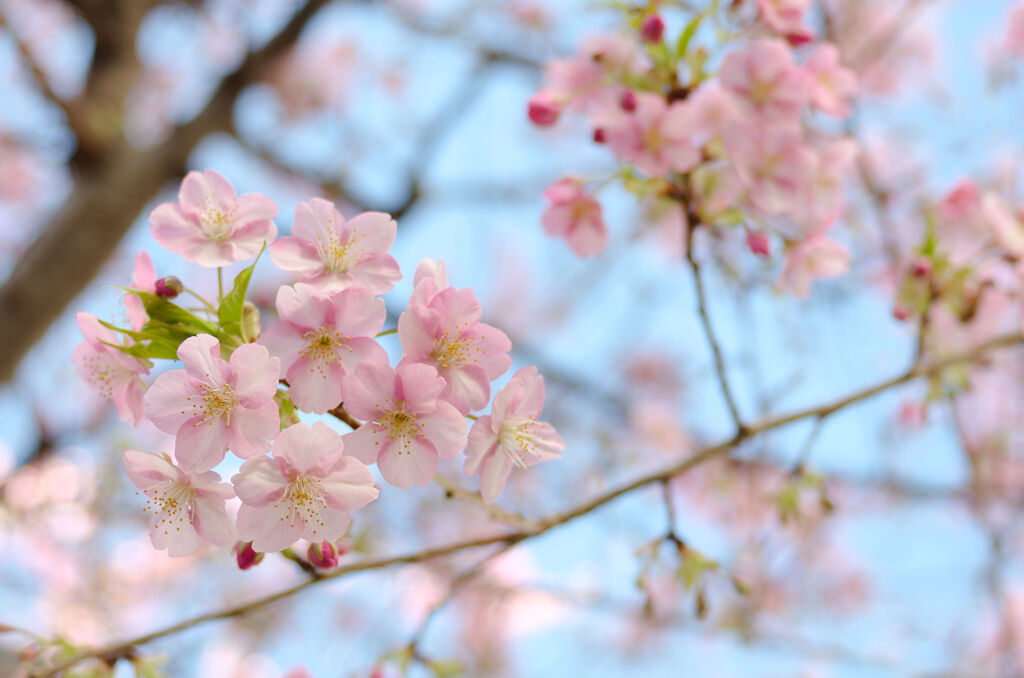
[[322, 336], [408, 426], [812, 258], [511, 435], [832, 85], [656, 137], [1005, 226], [447, 334], [213, 405], [776, 166], [144, 279], [573, 214], [765, 77], [583, 77], [431, 277], [187, 506], [332, 253], [785, 17], [304, 491], [112, 372], [210, 225]]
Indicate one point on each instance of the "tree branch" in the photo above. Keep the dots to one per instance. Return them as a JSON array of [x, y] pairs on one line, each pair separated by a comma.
[[543, 526], [79, 239]]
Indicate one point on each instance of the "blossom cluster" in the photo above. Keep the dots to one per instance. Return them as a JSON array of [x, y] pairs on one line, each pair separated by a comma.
[[729, 148], [241, 389]]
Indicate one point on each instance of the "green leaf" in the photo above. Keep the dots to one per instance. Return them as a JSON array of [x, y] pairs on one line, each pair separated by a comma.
[[167, 313], [447, 668], [229, 314], [694, 566], [686, 36]]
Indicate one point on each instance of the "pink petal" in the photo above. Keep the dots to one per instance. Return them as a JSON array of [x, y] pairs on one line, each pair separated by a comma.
[[252, 430], [201, 355], [147, 469], [406, 462], [166, 401], [259, 482], [365, 442], [446, 429], [350, 486], [200, 445], [296, 255], [253, 372], [481, 442], [211, 521], [494, 473], [309, 448], [315, 386]]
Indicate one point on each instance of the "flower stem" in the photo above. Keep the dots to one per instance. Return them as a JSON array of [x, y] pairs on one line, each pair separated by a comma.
[[386, 332], [220, 284]]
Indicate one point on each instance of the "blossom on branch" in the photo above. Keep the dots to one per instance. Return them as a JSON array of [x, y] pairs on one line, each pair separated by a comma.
[[304, 491], [210, 225], [511, 435], [213, 405]]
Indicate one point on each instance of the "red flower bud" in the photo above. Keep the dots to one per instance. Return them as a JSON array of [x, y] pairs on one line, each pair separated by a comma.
[[652, 29], [921, 268], [246, 555], [323, 555], [900, 312], [628, 101], [543, 110], [599, 136], [758, 243], [169, 287]]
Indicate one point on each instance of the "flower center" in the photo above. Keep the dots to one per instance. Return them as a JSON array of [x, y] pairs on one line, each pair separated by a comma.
[[216, 224], [401, 424], [306, 499], [336, 254], [217, 403], [518, 439], [103, 370], [322, 346], [173, 504]]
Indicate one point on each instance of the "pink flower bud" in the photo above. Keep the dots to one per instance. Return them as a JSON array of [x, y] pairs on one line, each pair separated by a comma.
[[246, 556], [758, 243], [652, 29], [169, 287], [921, 268], [543, 110], [800, 37], [323, 555], [599, 135], [900, 312], [628, 101]]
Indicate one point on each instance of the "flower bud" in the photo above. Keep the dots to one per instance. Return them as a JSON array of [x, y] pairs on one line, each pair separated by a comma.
[[543, 110], [250, 321], [246, 556], [323, 555], [652, 29], [599, 135], [758, 243], [169, 287], [900, 312], [921, 268], [628, 101]]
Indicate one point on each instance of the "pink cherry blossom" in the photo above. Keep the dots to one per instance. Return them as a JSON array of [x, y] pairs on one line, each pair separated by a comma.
[[210, 225], [785, 17], [812, 258], [1005, 226], [304, 491], [187, 506], [447, 335], [322, 336], [333, 253], [656, 137], [776, 166], [833, 86], [713, 112], [511, 435], [143, 279], [765, 77], [213, 404], [600, 60], [408, 426], [431, 277], [573, 214], [112, 372]]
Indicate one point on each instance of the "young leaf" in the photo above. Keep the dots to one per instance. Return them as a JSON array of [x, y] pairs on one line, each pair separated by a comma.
[[231, 306]]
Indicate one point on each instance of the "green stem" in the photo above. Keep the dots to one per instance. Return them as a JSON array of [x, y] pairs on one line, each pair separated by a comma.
[[208, 305], [220, 284]]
